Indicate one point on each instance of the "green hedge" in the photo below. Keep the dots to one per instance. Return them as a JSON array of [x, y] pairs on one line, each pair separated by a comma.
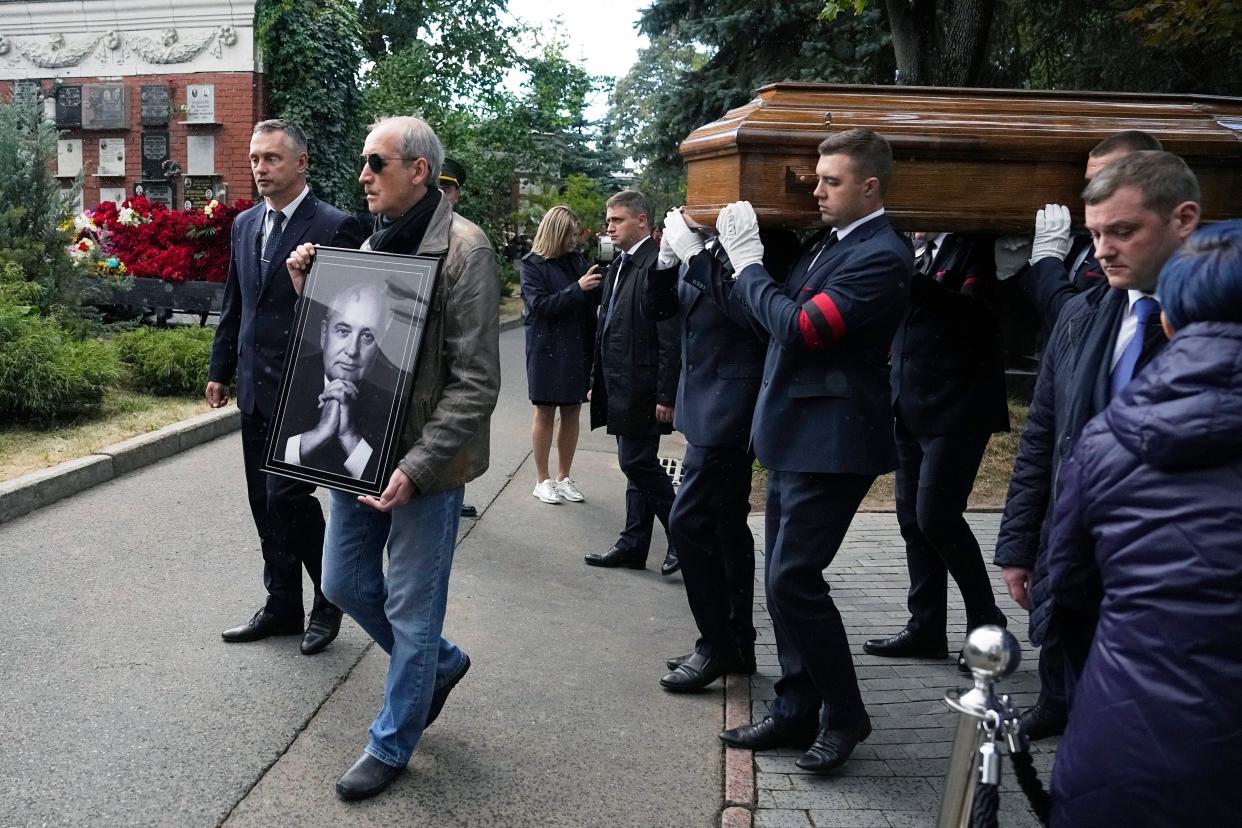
[[168, 361], [45, 373]]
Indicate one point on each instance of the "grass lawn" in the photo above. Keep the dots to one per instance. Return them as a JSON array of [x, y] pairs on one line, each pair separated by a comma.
[[510, 307], [124, 414], [990, 486]]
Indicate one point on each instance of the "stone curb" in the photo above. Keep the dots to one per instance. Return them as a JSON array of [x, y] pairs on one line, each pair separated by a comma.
[[739, 769], [37, 489], [510, 324]]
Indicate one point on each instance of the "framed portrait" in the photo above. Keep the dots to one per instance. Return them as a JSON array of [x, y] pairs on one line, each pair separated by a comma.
[[356, 339]]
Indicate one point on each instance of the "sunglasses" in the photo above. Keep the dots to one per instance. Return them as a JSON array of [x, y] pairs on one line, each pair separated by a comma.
[[377, 162]]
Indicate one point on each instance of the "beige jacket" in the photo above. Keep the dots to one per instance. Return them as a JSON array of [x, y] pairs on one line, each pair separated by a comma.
[[446, 437]]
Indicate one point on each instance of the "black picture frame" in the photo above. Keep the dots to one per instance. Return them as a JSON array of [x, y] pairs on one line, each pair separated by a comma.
[[347, 294]]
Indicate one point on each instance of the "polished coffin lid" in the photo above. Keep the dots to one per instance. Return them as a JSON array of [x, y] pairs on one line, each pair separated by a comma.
[[966, 160]]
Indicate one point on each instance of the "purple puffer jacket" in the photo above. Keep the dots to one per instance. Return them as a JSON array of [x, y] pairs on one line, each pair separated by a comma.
[[1152, 496]]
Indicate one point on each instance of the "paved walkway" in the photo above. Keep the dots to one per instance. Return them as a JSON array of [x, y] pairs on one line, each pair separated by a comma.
[[896, 776], [121, 706]]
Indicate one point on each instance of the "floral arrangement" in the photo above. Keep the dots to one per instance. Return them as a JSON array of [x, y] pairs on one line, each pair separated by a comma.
[[144, 238]]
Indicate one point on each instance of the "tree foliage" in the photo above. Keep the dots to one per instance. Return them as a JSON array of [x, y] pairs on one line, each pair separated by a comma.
[[33, 207], [312, 53]]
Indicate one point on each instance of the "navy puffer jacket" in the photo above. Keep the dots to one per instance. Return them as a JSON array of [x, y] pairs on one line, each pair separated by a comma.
[[1152, 497]]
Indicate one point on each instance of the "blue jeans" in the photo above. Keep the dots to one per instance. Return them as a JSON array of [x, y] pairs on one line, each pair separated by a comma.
[[403, 612]]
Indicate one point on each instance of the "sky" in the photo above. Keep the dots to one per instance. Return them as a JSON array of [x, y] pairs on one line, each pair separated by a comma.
[[601, 36]]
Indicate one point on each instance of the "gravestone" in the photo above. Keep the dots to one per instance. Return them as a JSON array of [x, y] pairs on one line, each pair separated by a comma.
[[200, 155], [105, 106], [69, 107], [200, 103], [154, 153], [155, 191], [154, 105], [68, 157], [112, 157]]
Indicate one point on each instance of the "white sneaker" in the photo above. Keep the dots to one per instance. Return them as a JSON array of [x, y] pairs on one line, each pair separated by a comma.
[[547, 491], [569, 490]]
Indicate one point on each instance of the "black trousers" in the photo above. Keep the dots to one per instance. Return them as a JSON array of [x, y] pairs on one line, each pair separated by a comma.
[[806, 520], [289, 520], [715, 546], [648, 490], [934, 478]]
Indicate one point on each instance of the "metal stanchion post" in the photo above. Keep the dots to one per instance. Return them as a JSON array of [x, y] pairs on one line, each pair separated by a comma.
[[992, 653]]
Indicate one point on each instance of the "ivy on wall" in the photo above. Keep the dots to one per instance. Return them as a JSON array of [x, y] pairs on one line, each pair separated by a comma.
[[311, 54]]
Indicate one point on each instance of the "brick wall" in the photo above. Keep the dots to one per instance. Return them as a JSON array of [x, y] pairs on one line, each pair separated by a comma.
[[240, 99]]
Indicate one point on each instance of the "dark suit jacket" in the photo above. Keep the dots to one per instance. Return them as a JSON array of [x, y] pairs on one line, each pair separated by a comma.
[[640, 357], [825, 405], [370, 413], [721, 353], [256, 319], [1048, 283], [560, 327], [948, 372], [1073, 386]]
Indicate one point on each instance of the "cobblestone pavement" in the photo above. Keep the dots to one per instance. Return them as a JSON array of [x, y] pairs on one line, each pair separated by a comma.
[[896, 777]]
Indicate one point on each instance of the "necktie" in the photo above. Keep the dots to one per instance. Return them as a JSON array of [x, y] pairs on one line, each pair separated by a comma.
[[612, 297], [823, 248], [273, 240], [928, 258], [1144, 309]]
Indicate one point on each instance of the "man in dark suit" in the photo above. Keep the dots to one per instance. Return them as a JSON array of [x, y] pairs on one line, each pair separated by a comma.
[[634, 383], [823, 428], [252, 343], [948, 386], [1139, 209], [721, 367], [1062, 264], [336, 422]]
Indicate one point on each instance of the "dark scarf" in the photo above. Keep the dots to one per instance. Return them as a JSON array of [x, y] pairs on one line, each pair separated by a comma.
[[405, 234]]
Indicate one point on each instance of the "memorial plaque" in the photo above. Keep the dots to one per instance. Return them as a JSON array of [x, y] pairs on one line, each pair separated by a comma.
[[26, 93], [160, 191], [112, 157], [199, 190], [116, 194], [68, 157], [155, 103], [200, 155], [154, 153], [200, 103], [69, 107], [104, 106]]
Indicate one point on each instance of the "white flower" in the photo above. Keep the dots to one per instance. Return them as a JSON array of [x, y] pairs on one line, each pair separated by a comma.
[[128, 216]]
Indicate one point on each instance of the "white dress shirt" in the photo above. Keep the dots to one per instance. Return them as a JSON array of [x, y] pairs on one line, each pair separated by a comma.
[[1129, 324]]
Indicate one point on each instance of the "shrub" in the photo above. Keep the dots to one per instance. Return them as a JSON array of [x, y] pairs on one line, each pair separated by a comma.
[[45, 374], [508, 275], [168, 361]]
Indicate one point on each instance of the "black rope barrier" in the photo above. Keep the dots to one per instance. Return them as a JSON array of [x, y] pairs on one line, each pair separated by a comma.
[[1028, 780]]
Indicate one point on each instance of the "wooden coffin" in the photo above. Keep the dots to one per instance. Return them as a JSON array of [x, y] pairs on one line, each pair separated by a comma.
[[967, 160]]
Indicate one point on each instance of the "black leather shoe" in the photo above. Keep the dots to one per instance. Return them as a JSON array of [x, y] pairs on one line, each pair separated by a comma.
[[998, 618], [324, 625], [469, 511], [769, 734], [617, 557], [671, 564], [263, 625], [439, 697], [745, 667], [1040, 722], [676, 661], [832, 748], [907, 644], [366, 778], [699, 671]]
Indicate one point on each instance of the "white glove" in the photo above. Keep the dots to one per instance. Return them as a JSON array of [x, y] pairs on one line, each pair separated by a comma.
[[1052, 233], [668, 258], [739, 235], [683, 241]]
